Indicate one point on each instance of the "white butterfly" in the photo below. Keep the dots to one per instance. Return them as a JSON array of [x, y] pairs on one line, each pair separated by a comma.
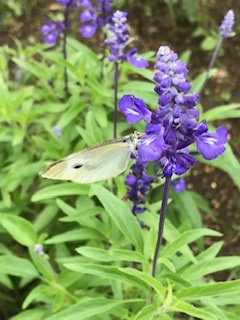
[[99, 162]]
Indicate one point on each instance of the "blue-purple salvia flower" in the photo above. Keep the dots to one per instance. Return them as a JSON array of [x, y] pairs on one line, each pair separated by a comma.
[[57, 132], [95, 18], [227, 24], [117, 41], [51, 30], [174, 126], [179, 185]]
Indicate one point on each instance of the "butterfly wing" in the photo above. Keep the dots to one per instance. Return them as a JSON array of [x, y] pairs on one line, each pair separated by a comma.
[[91, 164]]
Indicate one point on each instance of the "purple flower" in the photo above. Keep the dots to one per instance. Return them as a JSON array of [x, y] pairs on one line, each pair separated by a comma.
[[174, 126], [227, 24], [136, 61], [57, 131], [94, 18], [179, 185], [88, 30], [117, 41], [51, 31], [210, 145], [85, 3], [134, 109], [152, 143], [71, 3]]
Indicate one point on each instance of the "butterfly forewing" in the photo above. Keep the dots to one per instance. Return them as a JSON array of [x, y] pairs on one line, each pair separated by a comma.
[[92, 164]]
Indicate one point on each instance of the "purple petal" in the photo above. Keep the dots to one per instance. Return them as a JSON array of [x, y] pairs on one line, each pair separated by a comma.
[[87, 15], [179, 185], [151, 147], [51, 37], [137, 62], [134, 109], [211, 145], [88, 30], [84, 3]]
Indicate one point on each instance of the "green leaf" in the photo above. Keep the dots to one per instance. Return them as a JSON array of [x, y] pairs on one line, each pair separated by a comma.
[[15, 266], [188, 208], [35, 314], [74, 109], [211, 252], [88, 308], [121, 215], [209, 43], [203, 268], [146, 313], [57, 190], [110, 273], [210, 290], [199, 313], [36, 294], [111, 254], [74, 235], [20, 229], [223, 112], [186, 238], [147, 278]]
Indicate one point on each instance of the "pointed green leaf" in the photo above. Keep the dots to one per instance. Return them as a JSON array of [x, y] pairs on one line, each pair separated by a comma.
[[210, 290], [88, 307], [57, 190], [110, 273], [111, 255], [20, 229], [121, 215], [15, 266]]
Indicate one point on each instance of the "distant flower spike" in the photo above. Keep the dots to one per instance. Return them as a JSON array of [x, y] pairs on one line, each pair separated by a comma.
[[227, 24], [117, 41]]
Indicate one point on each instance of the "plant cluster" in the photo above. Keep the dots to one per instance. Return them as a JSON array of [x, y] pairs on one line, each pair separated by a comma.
[[96, 251]]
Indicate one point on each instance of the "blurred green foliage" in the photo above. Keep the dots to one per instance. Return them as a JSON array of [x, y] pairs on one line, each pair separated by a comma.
[[87, 268]]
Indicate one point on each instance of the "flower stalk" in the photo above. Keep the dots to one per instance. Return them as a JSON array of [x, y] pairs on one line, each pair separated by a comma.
[[161, 224]]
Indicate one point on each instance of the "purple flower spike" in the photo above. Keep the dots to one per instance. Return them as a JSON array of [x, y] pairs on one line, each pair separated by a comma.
[[117, 41], [134, 109], [227, 24], [174, 125], [171, 129]]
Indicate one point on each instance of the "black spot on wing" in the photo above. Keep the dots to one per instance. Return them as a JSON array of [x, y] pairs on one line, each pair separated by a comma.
[[77, 166]]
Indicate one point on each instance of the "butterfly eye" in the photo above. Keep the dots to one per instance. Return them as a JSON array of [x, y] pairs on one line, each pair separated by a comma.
[[76, 166]]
